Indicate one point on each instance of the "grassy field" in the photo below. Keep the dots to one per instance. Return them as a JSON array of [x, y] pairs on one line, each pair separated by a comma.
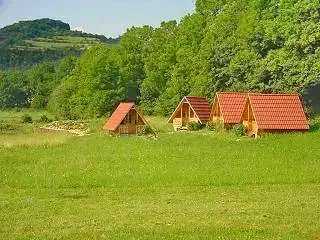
[[62, 42], [199, 185]]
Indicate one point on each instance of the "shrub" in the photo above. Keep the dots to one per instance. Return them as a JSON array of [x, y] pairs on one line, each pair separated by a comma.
[[7, 127], [214, 126], [146, 130], [194, 126], [315, 125], [44, 119], [240, 130], [211, 126], [309, 112], [26, 118]]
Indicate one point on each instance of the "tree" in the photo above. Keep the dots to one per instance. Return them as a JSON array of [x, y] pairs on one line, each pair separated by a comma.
[[160, 54], [97, 83]]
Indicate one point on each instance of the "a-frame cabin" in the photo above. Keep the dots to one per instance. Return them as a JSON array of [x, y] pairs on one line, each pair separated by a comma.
[[274, 113], [126, 119], [228, 108], [190, 109]]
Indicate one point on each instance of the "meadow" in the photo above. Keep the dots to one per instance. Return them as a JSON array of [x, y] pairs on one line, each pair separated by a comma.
[[62, 42], [188, 185]]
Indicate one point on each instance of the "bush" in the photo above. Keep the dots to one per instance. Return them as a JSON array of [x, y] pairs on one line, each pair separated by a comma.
[[194, 126], [214, 126], [146, 130], [309, 112], [7, 127], [44, 119], [315, 124], [211, 126], [26, 118], [240, 130]]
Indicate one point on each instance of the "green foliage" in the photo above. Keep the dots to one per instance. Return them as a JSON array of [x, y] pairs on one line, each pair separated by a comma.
[[211, 126], [98, 82], [160, 54], [245, 45], [26, 118], [27, 43], [194, 126], [315, 124], [44, 119], [7, 127], [214, 126], [239, 130], [309, 112], [32, 87], [14, 89], [146, 130]]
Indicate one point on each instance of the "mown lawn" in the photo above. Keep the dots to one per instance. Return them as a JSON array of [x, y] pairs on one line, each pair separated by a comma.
[[181, 186]]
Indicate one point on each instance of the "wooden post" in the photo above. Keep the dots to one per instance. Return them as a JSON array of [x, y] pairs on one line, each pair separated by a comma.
[[137, 122], [181, 115], [248, 112]]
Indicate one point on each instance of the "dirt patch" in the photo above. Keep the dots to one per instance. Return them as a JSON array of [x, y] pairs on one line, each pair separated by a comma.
[[79, 128]]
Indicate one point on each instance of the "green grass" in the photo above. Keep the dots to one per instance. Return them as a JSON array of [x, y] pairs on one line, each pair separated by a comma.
[[160, 124], [62, 42], [198, 185], [15, 116]]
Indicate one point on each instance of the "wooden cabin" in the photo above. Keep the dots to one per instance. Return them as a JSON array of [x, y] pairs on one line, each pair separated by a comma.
[[126, 119], [228, 108], [274, 113], [190, 109]]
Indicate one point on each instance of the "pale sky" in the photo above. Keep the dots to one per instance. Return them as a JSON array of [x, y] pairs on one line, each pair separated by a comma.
[[108, 17]]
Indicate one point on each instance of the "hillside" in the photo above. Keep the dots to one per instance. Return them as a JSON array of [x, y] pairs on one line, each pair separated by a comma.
[[29, 42]]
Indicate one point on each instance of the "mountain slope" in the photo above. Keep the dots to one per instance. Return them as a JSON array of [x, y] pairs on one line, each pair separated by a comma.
[[29, 42]]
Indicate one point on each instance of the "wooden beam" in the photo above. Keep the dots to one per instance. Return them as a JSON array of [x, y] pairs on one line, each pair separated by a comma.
[[137, 122]]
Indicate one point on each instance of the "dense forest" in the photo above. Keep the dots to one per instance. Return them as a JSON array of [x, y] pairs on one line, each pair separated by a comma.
[[243, 45]]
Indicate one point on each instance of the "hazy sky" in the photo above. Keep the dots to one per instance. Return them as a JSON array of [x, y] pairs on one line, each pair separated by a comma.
[[108, 17]]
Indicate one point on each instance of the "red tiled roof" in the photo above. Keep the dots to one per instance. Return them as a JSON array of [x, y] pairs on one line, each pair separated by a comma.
[[117, 117], [232, 105], [278, 111], [201, 107]]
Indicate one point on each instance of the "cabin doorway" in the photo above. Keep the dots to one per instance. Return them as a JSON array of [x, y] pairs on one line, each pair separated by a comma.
[[185, 115], [250, 126], [130, 123]]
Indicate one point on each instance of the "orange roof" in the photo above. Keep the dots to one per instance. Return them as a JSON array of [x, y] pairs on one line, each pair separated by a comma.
[[232, 105], [201, 107], [278, 111], [118, 116]]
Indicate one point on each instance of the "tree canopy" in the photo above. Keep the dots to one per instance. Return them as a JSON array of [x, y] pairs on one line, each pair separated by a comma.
[[270, 46]]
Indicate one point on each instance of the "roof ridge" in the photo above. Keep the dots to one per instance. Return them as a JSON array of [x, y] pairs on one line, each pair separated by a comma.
[[118, 116], [195, 97], [232, 93], [275, 94]]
